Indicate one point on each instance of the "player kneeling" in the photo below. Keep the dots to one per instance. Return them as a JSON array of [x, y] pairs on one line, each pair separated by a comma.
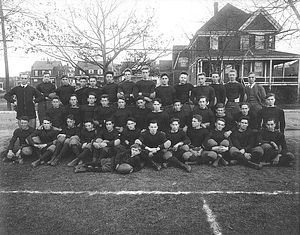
[[18, 147], [123, 163]]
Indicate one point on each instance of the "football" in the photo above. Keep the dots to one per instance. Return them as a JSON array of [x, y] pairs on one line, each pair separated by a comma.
[[52, 95], [124, 168]]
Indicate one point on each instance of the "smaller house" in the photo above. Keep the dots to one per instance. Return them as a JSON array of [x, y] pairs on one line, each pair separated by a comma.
[[55, 69], [89, 69], [3, 83]]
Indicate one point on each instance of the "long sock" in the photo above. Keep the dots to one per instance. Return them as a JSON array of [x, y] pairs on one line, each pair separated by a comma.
[[58, 148], [145, 158], [75, 150], [46, 156], [204, 160], [103, 154], [38, 152], [96, 153], [256, 157], [84, 154], [93, 169], [64, 150], [241, 158], [269, 155], [193, 159], [244, 161], [173, 160]]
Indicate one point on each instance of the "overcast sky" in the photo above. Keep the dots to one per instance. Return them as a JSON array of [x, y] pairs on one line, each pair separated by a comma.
[[177, 19]]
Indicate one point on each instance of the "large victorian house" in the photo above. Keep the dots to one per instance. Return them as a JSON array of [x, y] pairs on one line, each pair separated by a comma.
[[244, 41]]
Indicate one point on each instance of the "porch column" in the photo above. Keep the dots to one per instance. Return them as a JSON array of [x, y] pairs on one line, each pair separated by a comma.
[[200, 66], [242, 71], [270, 79], [222, 72], [298, 93], [265, 73], [283, 71]]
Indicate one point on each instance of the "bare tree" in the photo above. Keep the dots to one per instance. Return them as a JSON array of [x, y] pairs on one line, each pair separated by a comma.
[[94, 31], [286, 12], [150, 52], [14, 15]]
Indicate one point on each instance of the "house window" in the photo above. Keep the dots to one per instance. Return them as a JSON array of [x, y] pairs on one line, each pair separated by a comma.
[[183, 62], [214, 43], [50, 72], [100, 71], [245, 42], [270, 41], [259, 42], [36, 73], [91, 71], [258, 68], [1, 86]]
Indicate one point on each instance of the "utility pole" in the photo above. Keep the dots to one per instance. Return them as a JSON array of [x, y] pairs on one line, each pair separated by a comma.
[[5, 53]]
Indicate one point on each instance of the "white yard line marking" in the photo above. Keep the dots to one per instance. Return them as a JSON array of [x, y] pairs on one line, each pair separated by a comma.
[[148, 192], [211, 219]]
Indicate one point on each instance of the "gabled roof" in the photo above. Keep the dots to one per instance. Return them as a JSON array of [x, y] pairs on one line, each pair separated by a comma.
[[229, 18], [179, 47], [261, 20], [295, 63], [86, 66], [46, 65]]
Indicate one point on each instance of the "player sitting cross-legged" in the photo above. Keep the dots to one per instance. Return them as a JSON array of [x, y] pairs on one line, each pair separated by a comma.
[[179, 145], [155, 144]]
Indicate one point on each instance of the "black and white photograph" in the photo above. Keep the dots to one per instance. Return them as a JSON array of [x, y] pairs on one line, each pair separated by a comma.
[[142, 117]]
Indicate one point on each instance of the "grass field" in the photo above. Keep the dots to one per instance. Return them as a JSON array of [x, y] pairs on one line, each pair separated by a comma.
[[226, 200]]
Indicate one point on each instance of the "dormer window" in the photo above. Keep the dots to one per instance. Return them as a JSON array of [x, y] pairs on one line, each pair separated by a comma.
[[245, 42], [259, 41], [214, 43]]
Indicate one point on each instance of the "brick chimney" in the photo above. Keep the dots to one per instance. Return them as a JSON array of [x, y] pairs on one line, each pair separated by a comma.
[[216, 8]]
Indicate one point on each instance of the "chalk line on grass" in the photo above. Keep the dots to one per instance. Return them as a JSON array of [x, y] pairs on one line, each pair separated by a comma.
[[91, 193], [211, 219]]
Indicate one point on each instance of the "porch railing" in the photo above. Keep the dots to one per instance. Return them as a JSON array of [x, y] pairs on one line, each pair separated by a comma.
[[276, 80]]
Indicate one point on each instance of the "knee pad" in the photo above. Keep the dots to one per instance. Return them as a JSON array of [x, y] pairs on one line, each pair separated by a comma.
[[211, 143], [36, 140], [27, 151], [225, 143], [51, 148], [266, 146], [212, 154], [185, 147], [10, 155], [167, 155], [61, 139], [187, 155]]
